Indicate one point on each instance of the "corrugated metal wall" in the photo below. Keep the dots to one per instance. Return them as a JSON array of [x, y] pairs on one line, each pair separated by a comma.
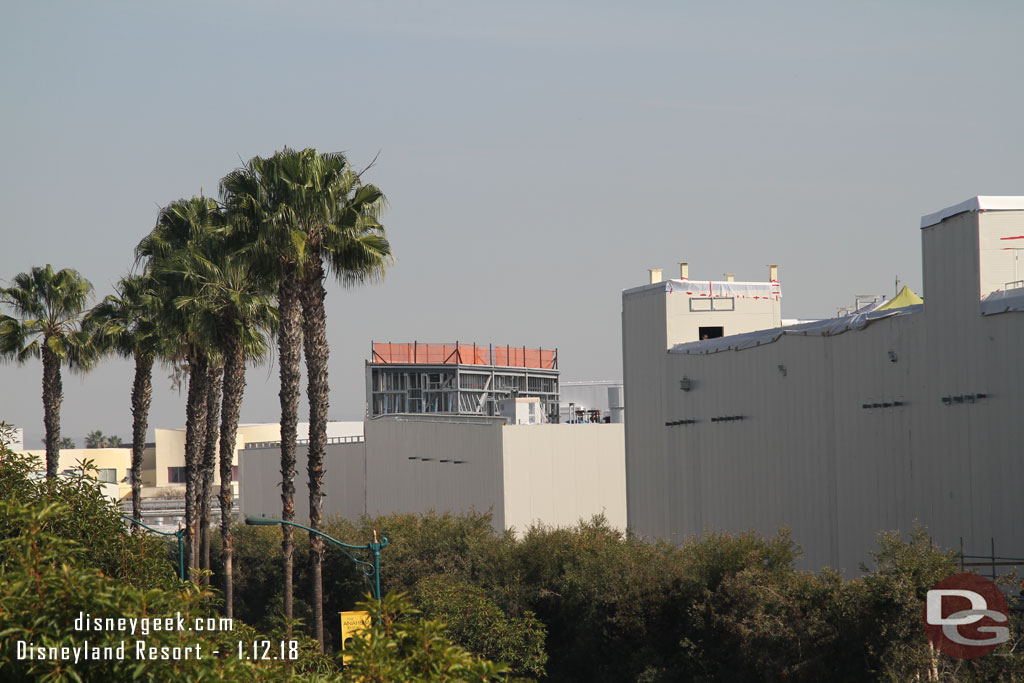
[[808, 455]]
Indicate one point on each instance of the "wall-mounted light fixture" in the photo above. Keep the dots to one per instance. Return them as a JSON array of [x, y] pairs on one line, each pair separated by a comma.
[[892, 356], [783, 370], [685, 383]]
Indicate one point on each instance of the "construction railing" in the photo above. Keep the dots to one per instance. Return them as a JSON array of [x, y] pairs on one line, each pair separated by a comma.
[[463, 354]]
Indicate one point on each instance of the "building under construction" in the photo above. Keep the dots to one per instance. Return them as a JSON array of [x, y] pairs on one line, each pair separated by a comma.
[[459, 379]]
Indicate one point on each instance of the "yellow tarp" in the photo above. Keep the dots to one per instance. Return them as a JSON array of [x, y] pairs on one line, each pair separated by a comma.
[[905, 298]]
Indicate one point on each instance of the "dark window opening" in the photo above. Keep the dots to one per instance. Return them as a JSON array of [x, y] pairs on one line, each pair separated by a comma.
[[176, 475], [713, 332]]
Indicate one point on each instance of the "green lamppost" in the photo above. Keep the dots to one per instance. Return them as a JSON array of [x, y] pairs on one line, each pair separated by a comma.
[[372, 571], [179, 534]]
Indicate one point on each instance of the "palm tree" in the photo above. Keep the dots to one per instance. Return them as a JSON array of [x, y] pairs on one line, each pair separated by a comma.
[[95, 439], [129, 323], [47, 317], [312, 213], [209, 464], [114, 442], [65, 442], [257, 198], [233, 297], [184, 227]]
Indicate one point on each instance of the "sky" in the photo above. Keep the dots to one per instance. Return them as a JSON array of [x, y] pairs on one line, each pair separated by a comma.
[[538, 157]]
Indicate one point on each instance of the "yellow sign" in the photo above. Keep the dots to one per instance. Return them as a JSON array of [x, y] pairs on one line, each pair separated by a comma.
[[351, 624]]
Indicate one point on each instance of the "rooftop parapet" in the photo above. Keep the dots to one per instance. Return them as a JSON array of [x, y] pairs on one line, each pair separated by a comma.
[[386, 353]]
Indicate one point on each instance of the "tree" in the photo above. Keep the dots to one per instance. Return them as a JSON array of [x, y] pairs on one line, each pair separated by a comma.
[[114, 442], [128, 323], [476, 622], [402, 646], [257, 201], [209, 463], [232, 300], [48, 308], [65, 442], [313, 213], [95, 439], [182, 229]]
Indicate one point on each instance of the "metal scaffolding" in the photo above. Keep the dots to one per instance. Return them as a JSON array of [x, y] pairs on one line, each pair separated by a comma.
[[458, 379]]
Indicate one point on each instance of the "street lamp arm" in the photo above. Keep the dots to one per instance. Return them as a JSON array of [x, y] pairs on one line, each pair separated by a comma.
[[371, 570], [269, 521], [179, 534], [146, 526]]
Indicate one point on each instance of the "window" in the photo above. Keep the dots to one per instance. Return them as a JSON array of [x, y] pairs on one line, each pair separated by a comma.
[[711, 332], [108, 475], [234, 473], [175, 475], [700, 305], [722, 303]]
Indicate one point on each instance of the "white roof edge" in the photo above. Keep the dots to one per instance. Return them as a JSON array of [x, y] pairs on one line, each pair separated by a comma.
[[589, 382], [663, 284], [979, 203]]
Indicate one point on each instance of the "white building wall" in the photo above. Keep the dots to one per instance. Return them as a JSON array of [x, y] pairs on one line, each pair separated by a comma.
[[550, 474], [558, 474], [808, 455]]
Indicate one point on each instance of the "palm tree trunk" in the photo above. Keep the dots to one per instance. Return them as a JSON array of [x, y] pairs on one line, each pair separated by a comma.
[[195, 437], [289, 351], [53, 394], [234, 388], [209, 465], [142, 393], [314, 337]]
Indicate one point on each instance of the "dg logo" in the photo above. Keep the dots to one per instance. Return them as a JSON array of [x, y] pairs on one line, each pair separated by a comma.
[[965, 616]]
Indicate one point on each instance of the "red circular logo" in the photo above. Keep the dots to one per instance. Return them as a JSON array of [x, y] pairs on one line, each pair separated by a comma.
[[965, 616]]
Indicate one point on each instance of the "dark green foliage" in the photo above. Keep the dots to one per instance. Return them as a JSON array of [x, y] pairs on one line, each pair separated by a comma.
[[400, 646], [479, 624], [47, 583], [720, 607], [89, 520]]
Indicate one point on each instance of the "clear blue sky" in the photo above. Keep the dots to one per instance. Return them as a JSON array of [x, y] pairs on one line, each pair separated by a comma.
[[538, 157]]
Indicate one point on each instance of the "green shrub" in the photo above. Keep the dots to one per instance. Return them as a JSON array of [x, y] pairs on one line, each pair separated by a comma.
[[477, 623]]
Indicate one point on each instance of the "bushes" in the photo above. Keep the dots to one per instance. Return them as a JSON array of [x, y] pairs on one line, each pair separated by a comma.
[[584, 603], [48, 582], [88, 519], [475, 621], [64, 553], [400, 646]]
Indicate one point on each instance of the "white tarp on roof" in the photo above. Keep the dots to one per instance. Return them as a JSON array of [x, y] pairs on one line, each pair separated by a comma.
[[716, 289], [1003, 301], [820, 328], [988, 203]]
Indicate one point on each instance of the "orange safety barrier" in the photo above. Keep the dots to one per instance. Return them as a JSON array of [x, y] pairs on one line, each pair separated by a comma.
[[464, 354]]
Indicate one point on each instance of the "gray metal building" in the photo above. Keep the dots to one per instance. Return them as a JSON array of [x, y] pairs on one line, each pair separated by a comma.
[[841, 428]]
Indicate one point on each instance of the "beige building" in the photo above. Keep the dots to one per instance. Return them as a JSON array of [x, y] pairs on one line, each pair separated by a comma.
[[840, 428], [170, 447], [553, 474], [113, 466]]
